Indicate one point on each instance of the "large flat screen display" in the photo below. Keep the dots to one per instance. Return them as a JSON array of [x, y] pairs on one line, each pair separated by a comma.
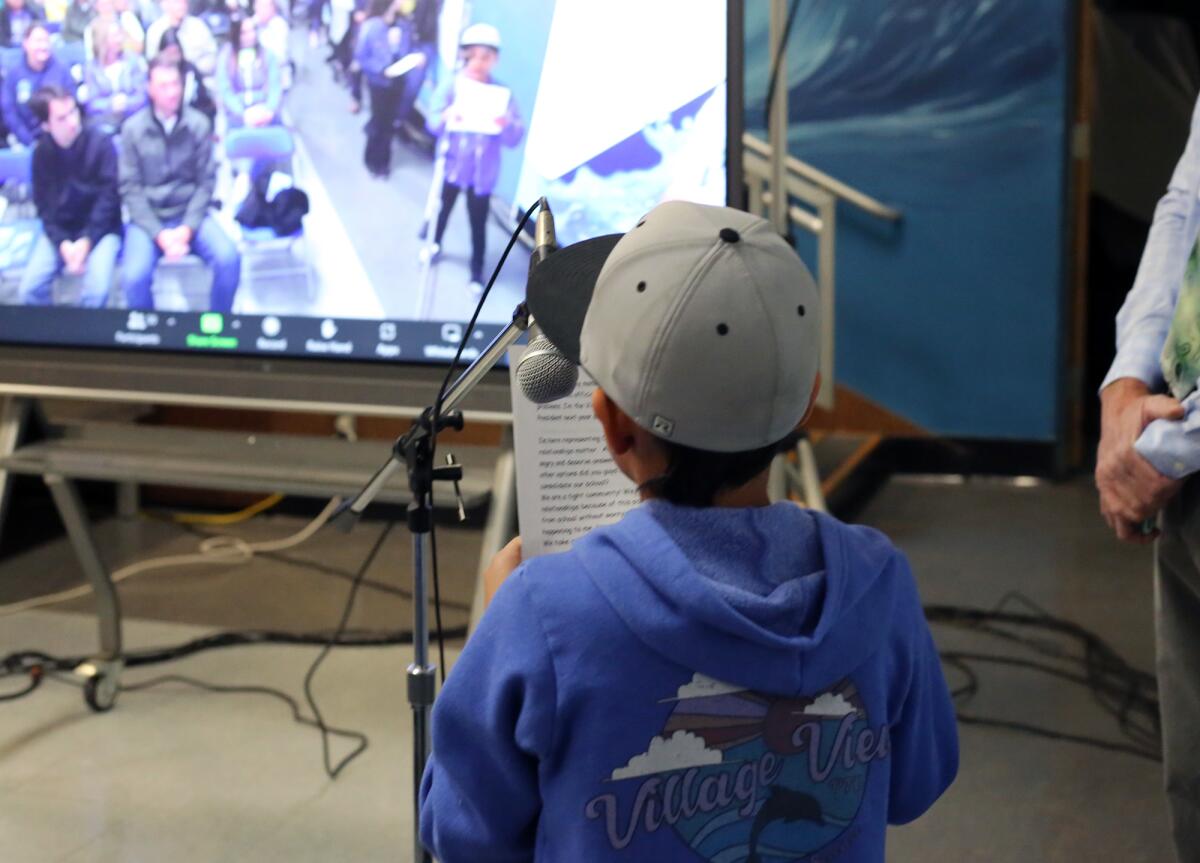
[[342, 176]]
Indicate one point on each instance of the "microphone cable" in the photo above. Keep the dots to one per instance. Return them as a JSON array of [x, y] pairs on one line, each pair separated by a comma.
[[437, 416]]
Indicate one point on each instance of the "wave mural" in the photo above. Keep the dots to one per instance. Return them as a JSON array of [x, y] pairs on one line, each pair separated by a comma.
[[954, 111]]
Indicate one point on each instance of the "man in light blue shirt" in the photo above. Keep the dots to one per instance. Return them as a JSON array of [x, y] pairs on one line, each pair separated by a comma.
[[1149, 447]]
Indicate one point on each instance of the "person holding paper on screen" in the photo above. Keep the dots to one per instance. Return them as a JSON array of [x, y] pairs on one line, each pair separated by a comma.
[[475, 117], [713, 677], [384, 54]]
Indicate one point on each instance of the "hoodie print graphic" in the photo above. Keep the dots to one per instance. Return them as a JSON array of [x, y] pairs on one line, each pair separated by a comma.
[[742, 777]]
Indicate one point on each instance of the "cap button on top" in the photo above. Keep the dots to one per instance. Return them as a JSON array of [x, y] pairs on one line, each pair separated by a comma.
[[729, 235]]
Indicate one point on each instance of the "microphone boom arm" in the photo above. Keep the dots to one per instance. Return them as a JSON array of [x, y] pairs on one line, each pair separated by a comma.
[[521, 323]]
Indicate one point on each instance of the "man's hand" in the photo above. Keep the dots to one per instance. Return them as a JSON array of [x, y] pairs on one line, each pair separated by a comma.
[[166, 240], [76, 261], [74, 255], [501, 567], [1131, 489], [175, 242]]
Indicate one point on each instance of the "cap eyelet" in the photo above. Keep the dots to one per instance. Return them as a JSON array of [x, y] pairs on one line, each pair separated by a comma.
[[801, 310], [722, 329], [641, 288], [729, 235]]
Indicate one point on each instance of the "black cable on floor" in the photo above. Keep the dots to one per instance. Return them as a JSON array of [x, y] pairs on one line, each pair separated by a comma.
[[326, 570], [36, 675], [332, 770], [1126, 693], [297, 714]]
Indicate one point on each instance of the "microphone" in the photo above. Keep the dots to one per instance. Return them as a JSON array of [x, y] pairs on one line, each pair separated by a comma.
[[545, 241], [544, 374]]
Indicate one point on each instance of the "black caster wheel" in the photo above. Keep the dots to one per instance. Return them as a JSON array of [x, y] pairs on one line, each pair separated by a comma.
[[100, 692]]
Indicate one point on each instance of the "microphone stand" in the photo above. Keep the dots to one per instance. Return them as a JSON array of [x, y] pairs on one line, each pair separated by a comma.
[[413, 451]]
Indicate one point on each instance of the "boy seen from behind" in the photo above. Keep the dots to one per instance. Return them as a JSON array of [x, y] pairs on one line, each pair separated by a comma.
[[714, 677]]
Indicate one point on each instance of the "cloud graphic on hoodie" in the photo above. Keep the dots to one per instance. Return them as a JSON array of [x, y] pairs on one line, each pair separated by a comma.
[[830, 704], [705, 687], [678, 752]]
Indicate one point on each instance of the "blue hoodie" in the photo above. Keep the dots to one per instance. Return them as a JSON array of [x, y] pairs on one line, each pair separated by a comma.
[[715, 684]]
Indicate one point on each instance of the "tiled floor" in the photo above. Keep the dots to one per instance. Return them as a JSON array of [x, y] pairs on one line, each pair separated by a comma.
[[181, 775]]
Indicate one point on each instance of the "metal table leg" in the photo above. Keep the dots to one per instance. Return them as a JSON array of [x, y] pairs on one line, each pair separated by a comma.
[[13, 415], [102, 675]]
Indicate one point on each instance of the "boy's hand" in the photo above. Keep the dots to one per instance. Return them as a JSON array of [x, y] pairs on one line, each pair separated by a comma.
[[501, 567]]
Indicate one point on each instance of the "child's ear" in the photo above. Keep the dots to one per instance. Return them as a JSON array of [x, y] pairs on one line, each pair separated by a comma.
[[617, 433]]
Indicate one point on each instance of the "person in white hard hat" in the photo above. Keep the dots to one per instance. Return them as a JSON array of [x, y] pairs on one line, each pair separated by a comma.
[[713, 677], [472, 144]]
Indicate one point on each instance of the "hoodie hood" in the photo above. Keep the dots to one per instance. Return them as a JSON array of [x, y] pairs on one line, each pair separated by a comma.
[[783, 636]]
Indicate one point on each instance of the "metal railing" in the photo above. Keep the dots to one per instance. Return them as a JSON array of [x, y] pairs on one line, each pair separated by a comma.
[[812, 202]]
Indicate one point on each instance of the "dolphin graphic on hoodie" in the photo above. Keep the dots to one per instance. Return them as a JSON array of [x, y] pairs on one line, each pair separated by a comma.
[[694, 684]]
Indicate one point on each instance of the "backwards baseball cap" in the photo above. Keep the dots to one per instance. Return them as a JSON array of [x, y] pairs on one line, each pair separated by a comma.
[[701, 323]]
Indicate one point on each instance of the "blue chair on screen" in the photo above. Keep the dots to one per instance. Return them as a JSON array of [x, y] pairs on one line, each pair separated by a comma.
[[269, 148], [10, 58], [19, 228], [262, 144], [73, 55], [16, 166], [16, 176]]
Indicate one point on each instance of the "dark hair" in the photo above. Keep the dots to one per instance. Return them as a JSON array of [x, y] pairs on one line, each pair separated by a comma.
[[169, 38], [694, 477], [36, 25], [39, 103], [235, 39], [378, 8], [161, 62]]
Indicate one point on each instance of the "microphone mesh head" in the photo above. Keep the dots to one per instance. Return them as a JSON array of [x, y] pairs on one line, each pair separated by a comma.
[[545, 375]]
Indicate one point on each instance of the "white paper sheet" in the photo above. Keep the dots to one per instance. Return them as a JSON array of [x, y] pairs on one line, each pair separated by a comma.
[[404, 65], [567, 484], [477, 107]]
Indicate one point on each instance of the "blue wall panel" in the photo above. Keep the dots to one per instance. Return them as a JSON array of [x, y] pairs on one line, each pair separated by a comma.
[[953, 111]]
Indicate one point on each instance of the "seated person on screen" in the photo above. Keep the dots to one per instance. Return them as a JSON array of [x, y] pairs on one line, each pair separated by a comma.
[[15, 19], [167, 178], [37, 68], [116, 77], [75, 23], [75, 191], [195, 92], [713, 677], [147, 11], [195, 39], [108, 13], [273, 34], [248, 82], [472, 150]]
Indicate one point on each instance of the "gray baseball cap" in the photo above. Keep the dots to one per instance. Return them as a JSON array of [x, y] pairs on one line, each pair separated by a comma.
[[701, 323]]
